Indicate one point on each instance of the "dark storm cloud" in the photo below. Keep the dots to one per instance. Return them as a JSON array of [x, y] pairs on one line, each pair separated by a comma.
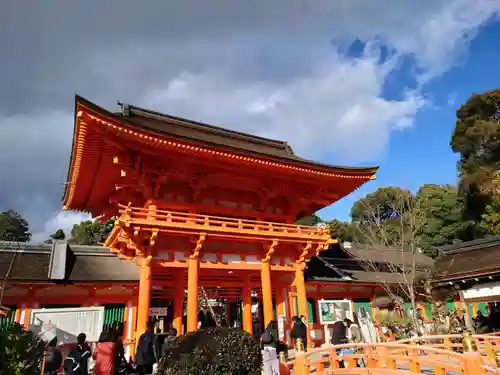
[[52, 48]]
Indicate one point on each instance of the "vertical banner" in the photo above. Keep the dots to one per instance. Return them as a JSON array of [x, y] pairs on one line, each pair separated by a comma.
[[281, 326]]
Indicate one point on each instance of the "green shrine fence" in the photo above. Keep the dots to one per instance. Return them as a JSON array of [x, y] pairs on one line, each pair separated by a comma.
[[7, 321], [365, 304], [483, 307], [451, 306], [114, 316], [311, 309]]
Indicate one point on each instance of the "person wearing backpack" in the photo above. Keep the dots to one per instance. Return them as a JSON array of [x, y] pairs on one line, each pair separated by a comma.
[[269, 342]]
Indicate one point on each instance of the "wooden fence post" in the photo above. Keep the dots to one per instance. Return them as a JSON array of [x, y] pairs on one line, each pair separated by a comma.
[[283, 367], [300, 364], [474, 363], [469, 343]]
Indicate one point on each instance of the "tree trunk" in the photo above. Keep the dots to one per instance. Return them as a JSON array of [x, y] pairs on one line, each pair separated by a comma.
[[416, 321]]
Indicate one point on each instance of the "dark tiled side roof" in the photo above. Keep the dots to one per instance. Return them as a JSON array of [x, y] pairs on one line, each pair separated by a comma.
[[342, 263], [388, 255], [26, 266], [322, 269], [475, 258], [84, 263], [23, 261], [89, 267]]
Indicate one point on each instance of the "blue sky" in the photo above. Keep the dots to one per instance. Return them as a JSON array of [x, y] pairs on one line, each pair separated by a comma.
[[422, 154]]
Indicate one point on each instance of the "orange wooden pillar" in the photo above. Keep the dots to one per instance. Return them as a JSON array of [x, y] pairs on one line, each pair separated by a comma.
[[179, 304], [26, 317], [192, 297], [144, 296], [17, 315], [267, 292], [247, 306], [300, 285]]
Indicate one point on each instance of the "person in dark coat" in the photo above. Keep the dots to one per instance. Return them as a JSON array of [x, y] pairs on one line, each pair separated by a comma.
[[299, 331], [339, 337], [54, 359], [339, 333], [119, 349], [494, 317], [482, 322], [77, 362], [147, 351]]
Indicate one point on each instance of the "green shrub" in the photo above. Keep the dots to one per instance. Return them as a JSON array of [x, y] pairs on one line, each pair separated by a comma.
[[213, 351], [21, 351]]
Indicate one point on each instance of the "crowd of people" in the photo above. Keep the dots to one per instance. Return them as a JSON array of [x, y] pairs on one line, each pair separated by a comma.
[[109, 355], [344, 332]]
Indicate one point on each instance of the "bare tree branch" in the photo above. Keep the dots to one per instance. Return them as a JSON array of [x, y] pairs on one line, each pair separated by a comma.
[[398, 234]]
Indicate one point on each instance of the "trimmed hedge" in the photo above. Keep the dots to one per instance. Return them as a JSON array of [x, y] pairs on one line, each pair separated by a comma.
[[213, 351]]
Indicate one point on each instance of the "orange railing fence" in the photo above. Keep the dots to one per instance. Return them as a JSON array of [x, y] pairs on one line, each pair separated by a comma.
[[440, 355]]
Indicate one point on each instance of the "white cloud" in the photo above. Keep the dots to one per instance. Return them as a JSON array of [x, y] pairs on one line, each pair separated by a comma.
[[326, 112], [60, 220], [444, 37]]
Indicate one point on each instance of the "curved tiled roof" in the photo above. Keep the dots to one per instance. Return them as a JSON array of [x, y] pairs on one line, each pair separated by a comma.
[[469, 259], [32, 262]]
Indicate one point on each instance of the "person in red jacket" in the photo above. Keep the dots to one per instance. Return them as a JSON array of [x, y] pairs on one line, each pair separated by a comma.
[[105, 355]]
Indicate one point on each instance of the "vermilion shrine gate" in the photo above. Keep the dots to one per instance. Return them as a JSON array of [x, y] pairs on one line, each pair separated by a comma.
[[199, 207]]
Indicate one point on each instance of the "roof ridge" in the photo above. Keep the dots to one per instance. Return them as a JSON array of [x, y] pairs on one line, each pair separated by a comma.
[[481, 243], [16, 245], [126, 108], [378, 247]]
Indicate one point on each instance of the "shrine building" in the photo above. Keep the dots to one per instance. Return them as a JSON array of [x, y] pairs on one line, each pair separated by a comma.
[[200, 211], [471, 270], [60, 276]]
